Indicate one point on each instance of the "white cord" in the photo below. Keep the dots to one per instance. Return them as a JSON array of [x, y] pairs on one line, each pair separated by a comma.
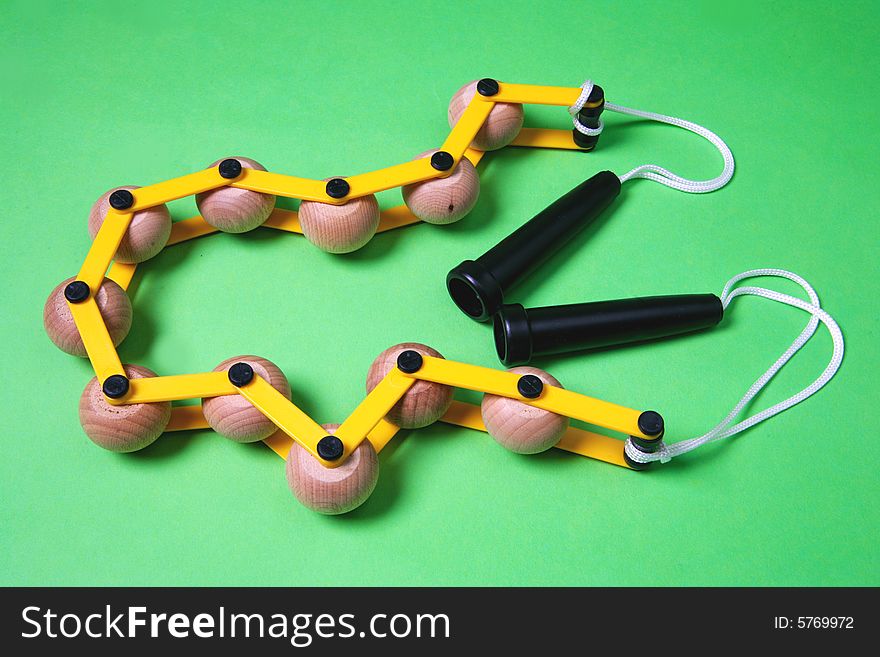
[[653, 171], [724, 428]]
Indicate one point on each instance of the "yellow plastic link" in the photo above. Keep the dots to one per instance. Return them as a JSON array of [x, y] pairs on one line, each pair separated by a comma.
[[188, 229], [288, 417], [373, 408], [281, 219], [122, 273], [535, 94], [170, 190], [280, 184], [97, 341], [187, 418], [400, 174], [556, 400], [469, 124], [104, 248], [578, 441], [177, 387], [546, 138], [474, 155]]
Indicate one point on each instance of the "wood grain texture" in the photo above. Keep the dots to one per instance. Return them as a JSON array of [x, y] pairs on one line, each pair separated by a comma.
[[333, 490], [146, 235], [444, 200], [235, 210], [425, 402], [520, 427], [500, 128], [113, 303], [233, 416], [124, 428], [340, 228]]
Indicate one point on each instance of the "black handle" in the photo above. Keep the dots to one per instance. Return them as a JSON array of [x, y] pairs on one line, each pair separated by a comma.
[[522, 333], [477, 286]]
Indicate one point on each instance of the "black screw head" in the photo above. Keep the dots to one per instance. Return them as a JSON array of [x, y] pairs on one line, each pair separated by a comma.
[[487, 87], [337, 188], [240, 374], [409, 361], [229, 168], [115, 386], [442, 161], [121, 199], [651, 423], [330, 448], [77, 291], [530, 386]]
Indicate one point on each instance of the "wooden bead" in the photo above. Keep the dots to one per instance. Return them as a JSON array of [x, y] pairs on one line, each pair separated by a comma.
[[333, 490], [444, 200], [235, 210], [501, 126], [425, 402], [58, 321], [340, 228], [233, 416], [146, 235], [520, 427], [123, 428]]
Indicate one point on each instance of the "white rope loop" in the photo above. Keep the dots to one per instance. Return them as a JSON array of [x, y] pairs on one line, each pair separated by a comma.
[[725, 428], [653, 171]]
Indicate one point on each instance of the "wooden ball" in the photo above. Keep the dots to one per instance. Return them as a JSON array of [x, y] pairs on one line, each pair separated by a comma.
[[520, 427], [501, 126], [123, 428], [444, 200], [233, 416], [235, 210], [340, 228], [425, 402], [147, 233], [333, 490], [58, 321]]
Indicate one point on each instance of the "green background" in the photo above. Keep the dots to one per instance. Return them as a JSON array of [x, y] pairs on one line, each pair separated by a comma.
[[100, 95]]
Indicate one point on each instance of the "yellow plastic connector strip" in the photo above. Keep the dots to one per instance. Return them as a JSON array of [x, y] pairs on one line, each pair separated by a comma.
[[288, 417], [534, 94], [280, 184], [577, 441], [373, 408], [557, 400], [546, 138], [400, 174], [177, 387], [104, 248], [187, 418], [469, 124], [170, 190], [96, 339]]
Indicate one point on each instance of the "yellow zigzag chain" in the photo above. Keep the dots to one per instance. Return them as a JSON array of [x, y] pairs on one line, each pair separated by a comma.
[[367, 421]]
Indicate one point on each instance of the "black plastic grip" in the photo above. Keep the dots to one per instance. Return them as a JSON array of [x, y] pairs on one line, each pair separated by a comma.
[[477, 286], [521, 334]]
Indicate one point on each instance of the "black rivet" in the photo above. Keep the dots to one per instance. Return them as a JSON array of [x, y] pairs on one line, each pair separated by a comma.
[[651, 423], [77, 291], [530, 386], [487, 87], [240, 374], [121, 199], [409, 361], [115, 386], [229, 168], [337, 188], [330, 448], [442, 161]]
